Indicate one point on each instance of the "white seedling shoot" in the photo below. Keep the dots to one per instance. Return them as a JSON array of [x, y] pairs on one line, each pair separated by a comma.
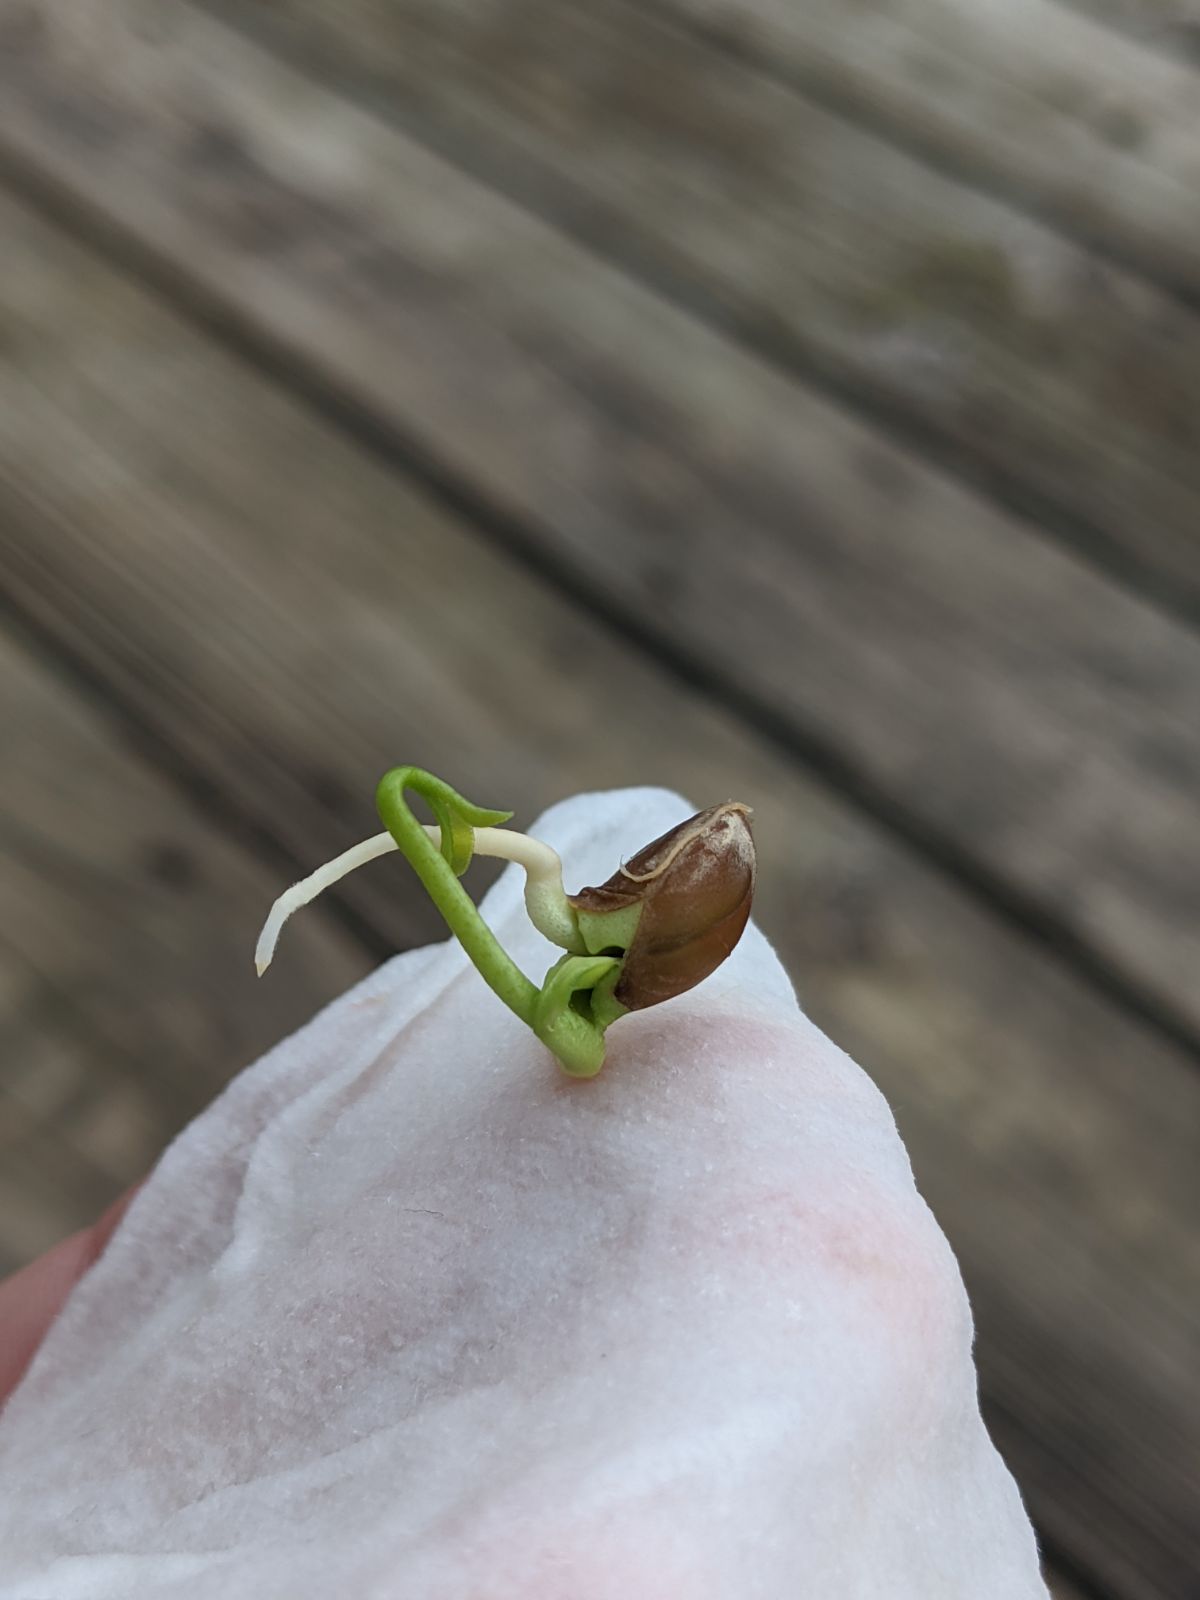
[[545, 898]]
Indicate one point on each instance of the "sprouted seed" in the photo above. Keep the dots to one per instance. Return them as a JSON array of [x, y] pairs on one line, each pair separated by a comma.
[[660, 925]]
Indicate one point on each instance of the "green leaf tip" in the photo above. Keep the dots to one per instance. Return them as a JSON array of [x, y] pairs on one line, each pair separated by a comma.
[[457, 818]]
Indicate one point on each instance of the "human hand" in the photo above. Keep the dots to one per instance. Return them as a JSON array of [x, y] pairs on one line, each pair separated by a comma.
[[31, 1298]]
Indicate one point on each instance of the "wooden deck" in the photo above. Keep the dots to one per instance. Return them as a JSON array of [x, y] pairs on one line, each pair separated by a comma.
[[795, 399]]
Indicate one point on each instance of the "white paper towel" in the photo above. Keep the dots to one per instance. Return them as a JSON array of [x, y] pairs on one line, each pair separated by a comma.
[[409, 1315]]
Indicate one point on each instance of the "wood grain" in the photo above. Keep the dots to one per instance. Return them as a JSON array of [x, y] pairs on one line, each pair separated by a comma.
[[282, 616], [127, 993], [1062, 1588], [983, 339], [1169, 26], [1023, 718], [1032, 98]]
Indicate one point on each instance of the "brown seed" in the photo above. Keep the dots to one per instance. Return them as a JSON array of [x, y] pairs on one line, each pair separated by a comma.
[[694, 887]]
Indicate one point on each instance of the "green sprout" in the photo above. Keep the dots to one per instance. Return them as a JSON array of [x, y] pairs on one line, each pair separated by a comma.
[[663, 922]]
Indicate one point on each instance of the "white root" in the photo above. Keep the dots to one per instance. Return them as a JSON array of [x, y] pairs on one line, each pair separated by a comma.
[[545, 898]]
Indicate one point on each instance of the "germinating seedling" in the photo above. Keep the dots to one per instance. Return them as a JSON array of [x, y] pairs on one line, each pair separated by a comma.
[[662, 923]]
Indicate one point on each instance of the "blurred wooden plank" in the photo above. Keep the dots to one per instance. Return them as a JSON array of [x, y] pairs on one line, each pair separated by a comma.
[[283, 618], [1025, 720], [127, 992], [1062, 1588], [1013, 356], [1172, 26], [1031, 97]]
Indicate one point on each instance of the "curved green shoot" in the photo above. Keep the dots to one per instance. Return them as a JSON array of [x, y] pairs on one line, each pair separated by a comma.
[[439, 870]]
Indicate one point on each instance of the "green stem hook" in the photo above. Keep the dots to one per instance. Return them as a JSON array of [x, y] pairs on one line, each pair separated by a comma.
[[551, 1012]]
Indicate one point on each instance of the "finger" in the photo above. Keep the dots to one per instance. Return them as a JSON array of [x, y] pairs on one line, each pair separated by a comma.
[[31, 1298]]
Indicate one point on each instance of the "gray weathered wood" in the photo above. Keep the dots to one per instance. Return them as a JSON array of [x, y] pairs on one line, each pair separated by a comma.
[[1171, 26], [281, 615], [1006, 351], [1032, 97], [127, 992], [1063, 1589], [998, 699]]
